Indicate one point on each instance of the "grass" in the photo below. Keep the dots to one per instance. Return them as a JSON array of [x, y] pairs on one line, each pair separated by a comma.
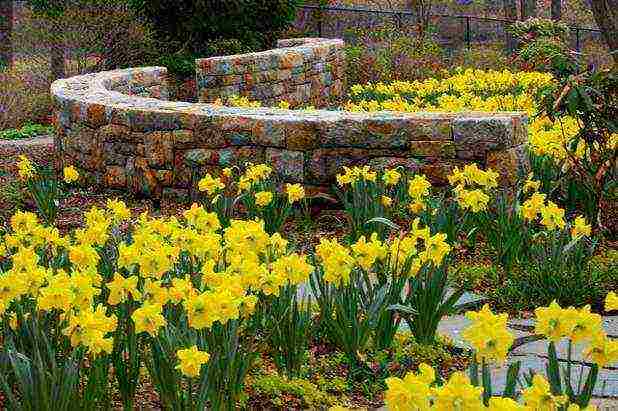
[[27, 131]]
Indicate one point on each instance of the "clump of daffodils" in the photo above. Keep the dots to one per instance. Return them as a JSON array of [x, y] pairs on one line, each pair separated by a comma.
[[418, 190], [491, 340], [473, 186], [257, 189], [550, 216], [234, 264], [403, 255], [488, 334], [70, 174], [25, 169], [356, 174], [295, 192], [210, 185], [579, 326], [191, 361]]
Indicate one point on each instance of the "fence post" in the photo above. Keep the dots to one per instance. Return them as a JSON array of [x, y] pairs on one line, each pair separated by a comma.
[[6, 32], [320, 18], [577, 46], [468, 32]]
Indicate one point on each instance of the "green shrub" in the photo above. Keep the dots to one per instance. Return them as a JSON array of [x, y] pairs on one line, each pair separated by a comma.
[[387, 54], [281, 392], [542, 45], [190, 25], [24, 97], [182, 62], [536, 285], [538, 27], [27, 131]]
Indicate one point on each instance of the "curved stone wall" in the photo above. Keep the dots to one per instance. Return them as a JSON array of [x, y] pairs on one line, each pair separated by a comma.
[[300, 71], [117, 127]]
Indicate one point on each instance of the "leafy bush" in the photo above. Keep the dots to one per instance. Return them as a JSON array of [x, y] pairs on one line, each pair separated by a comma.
[[590, 101], [531, 29], [277, 391], [24, 97], [542, 45], [385, 54], [91, 35], [27, 131], [191, 25]]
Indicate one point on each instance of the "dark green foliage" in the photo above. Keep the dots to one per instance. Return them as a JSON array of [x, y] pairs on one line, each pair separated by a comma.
[[540, 282], [591, 98], [542, 45], [27, 131], [192, 24], [182, 62], [285, 320]]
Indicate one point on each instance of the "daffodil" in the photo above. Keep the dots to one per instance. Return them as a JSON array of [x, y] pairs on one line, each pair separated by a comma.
[[539, 396], [148, 318], [191, 361], [70, 174], [488, 334], [263, 198]]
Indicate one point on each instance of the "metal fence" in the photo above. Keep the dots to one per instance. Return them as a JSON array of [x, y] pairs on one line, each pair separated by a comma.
[[452, 31]]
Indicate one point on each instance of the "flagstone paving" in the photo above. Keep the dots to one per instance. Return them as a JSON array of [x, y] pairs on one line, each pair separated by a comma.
[[532, 353]]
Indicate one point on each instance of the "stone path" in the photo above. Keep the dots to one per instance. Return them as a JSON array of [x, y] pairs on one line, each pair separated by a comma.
[[532, 353]]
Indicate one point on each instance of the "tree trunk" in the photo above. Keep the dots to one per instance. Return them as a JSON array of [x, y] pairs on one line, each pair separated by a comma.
[[606, 16], [556, 10], [510, 13], [528, 9], [57, 61], [6, 30]]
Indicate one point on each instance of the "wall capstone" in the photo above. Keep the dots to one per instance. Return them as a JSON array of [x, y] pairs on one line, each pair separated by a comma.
[[118, 129]]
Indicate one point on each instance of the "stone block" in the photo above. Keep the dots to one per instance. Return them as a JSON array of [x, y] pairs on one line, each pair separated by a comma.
[[83, 139], [114, 132], [182, 170], [183, 138], [477, 151], [97, 115], [469, 131], [291, 59], [240, 156], [288, 164], [429, 129], [201, 156], [441, 149], [112, 155], [115, 177], [159, 149], [302, 136], [510, 164], [520, 127], [142, 179], [268, 133], [175, 195], [410, 165]]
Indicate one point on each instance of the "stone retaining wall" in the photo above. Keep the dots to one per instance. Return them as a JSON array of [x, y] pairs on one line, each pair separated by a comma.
[[301, 71], [116, 128]]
